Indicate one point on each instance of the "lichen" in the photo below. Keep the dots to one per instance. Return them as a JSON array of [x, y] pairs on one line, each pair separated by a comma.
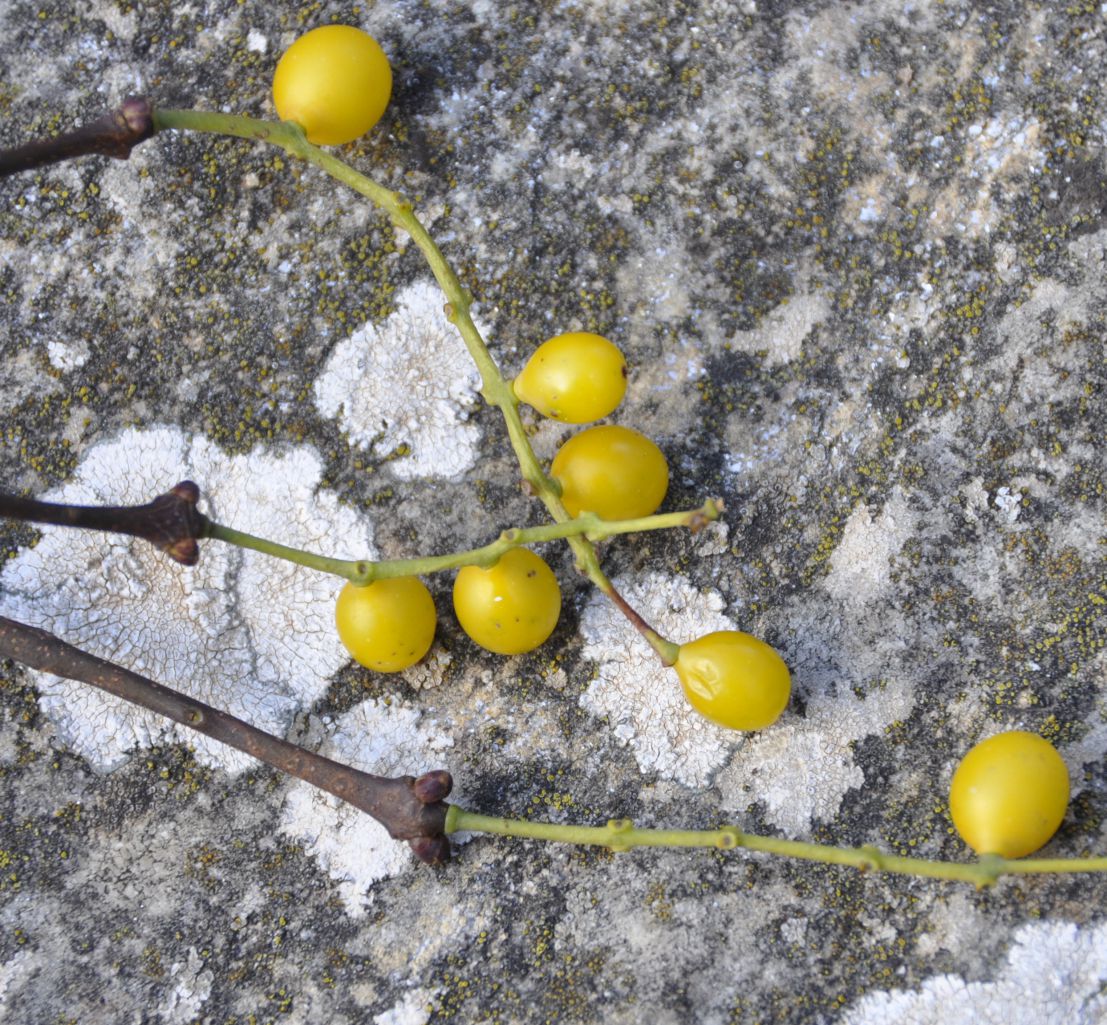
[[242, 631], [405, 387], [1055, 972]]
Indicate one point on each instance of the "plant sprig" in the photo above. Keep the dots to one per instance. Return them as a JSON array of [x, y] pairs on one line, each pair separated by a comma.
[[174, 524], [363, 571], [415, 809], [495, 389], [620, 835], [411, 809]]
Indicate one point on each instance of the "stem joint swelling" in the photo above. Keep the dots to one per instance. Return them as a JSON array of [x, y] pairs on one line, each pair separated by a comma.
[[171, 522], [113, 135]]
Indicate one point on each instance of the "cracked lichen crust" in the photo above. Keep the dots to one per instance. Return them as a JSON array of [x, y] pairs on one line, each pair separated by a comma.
[[1054, 972], [388, 739], [801, 769], [405, 388], [246, 633]]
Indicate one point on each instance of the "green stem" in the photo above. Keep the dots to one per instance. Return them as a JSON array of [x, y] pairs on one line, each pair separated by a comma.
[[495, 389], [290, 137], [362, 571], [622, 835]]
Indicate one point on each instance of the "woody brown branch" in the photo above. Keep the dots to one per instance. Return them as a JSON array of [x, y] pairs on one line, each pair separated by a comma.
[[170, 522], [410, 809]]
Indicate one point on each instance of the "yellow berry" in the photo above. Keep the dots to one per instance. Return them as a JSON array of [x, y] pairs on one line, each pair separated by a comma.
[[511, 607], [734, 679], [1009, 794], [576, 378], [334, 82], [387, 625], [612, 471]]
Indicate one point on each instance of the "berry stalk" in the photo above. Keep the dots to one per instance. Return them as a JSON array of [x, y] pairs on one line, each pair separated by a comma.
[[362, 571], [622, 835], [494, 388]]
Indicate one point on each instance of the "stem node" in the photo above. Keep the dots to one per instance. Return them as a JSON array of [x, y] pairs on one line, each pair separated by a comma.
[[170, 522], [730, 837]]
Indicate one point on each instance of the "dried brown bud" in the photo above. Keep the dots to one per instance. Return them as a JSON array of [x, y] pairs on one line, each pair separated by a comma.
[[114, 134], [136, 115], [173, 524], [433, 786], [187, 490], [431, 850]]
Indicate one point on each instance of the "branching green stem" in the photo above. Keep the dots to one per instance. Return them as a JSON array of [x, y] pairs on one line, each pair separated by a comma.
[[622, 835], [362, 571], [178, 533], [495, 389]]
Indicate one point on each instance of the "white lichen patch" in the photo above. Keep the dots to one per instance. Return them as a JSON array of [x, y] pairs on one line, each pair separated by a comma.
[[413, 1008], [191, 983], [15, 971], [353, 848], [860, 568], [406, 386], [65, 356], [800, 770], [244, 632], [1055, 972], [800, 776], [639, 698]]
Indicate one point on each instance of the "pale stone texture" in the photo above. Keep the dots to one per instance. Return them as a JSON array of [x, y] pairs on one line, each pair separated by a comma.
[[856, 255], [406, 387]]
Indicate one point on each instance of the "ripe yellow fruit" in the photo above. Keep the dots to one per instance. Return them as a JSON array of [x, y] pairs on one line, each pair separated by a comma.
[[734, 679], [511, 607], [612, 471], [334, 82], [575, 378], [387, 625], [1009, 794]]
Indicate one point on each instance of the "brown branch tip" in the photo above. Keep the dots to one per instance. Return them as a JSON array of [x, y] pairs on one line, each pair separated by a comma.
[[171, 522], [114, 134]]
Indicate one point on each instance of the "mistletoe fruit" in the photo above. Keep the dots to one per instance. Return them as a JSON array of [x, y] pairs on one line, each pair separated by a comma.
[[734, 679], [387, 625], [334, 82], [612, 471], [511, 607], [576, 378], [1009, 794]]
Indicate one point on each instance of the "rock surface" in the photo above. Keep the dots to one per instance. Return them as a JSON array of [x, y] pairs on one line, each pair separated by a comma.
[[856, 255]]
